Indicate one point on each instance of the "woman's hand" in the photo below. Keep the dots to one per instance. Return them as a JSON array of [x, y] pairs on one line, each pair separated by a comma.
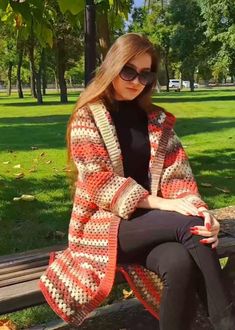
[[180, 205], [210, 229]]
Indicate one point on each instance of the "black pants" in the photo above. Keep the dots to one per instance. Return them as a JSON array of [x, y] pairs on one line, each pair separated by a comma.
[[161, 241]]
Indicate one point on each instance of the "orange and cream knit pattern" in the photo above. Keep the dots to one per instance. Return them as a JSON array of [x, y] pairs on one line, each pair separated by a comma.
[[78, 279]]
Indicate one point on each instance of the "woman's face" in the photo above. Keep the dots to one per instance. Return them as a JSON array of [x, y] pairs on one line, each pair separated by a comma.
[[128, 90]]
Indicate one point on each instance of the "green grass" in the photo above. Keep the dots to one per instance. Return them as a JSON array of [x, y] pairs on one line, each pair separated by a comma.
[[205, 124]]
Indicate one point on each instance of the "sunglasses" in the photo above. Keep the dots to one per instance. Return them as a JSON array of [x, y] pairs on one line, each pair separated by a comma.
[[145, 77]]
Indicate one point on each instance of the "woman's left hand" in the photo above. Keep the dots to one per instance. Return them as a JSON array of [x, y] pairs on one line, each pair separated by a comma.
[[210, 229]]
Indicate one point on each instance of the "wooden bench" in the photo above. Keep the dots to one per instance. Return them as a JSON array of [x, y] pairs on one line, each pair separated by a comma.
[[19, 273]]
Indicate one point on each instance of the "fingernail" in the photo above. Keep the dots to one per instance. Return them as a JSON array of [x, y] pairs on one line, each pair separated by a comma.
[[194, 228], [194, 232], [203, 240], [208, 226]]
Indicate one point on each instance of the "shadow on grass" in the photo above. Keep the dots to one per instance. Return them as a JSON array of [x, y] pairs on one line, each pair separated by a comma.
[[34, 120], [50, 131], [29, 225], [41, 132], [193, 126], [215, 167], [197, 96], [32, 104]]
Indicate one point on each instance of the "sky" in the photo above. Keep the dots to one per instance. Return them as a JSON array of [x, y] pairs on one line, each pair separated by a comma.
[[138, 3]]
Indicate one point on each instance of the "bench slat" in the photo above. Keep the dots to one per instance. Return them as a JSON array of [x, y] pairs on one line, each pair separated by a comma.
[[20, 277], [19, 296], [24, 266], [32, 255]]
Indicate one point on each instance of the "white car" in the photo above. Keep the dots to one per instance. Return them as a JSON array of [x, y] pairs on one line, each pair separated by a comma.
[[175, 83], [186, 84]]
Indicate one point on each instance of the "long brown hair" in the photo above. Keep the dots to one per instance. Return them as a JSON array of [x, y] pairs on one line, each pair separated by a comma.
[[122, 51]]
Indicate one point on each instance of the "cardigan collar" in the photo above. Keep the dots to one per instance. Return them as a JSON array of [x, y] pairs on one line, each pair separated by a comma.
[[160, 124]]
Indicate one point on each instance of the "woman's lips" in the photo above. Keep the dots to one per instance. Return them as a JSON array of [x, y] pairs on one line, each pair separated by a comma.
[[132, 89]]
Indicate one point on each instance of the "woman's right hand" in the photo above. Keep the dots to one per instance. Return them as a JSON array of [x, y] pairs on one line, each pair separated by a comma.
[[180, 205]]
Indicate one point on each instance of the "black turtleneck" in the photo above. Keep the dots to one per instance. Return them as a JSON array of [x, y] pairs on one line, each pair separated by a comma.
[[131, 124]]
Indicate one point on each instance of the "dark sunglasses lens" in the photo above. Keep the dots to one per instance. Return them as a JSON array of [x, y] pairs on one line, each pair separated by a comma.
[[127, 73], [147, 78]]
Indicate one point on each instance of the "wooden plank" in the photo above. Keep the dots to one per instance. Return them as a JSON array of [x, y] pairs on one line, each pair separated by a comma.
[[22, 267], [20, 277], [36, 253], [19, 296]]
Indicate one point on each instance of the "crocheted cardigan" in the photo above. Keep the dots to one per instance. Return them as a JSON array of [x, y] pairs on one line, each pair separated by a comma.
[[78, 279]]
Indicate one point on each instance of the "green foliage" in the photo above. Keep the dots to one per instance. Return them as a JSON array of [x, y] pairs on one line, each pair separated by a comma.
[[73, 6], [30, 17], [219, 16], [188, 35]]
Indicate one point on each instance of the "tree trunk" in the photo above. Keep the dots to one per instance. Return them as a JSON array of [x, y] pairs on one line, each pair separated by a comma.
[[61, 65], [44, 77], [191, 80], [19, 82], [167, 71], [38, 76], [56, 82], [9, 78], [103, 32], [32, 71]]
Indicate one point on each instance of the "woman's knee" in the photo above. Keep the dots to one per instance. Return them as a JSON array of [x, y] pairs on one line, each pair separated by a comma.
[[172, 262], [183, 232]]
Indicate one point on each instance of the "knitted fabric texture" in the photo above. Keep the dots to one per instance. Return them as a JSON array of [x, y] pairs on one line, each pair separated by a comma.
[[78, 279]]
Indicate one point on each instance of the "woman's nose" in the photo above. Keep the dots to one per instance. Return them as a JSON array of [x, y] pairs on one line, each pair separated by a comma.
[[136, 81]]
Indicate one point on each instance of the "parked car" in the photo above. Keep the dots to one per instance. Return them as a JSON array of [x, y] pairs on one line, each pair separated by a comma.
[[186, 84], [175, 83]]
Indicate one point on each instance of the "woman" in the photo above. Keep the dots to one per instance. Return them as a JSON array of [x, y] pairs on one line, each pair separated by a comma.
[[136, 204]]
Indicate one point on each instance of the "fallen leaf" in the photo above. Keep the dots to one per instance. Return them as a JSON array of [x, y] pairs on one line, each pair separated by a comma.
[[7, 325], [42, 154], [28, 198], [48, 162], [34, 148], [59, 234], [33, 170], [224, 190], [127, 294], [17, 166], [24, 197], [16, 199], [6, 163], [19, 175], [205, 184], [65, 169]]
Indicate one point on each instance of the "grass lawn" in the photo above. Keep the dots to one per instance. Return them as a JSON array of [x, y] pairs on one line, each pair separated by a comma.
[[32, 142]]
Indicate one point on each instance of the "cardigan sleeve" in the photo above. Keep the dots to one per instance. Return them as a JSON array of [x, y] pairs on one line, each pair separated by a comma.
[[108, 190], [177, 179]]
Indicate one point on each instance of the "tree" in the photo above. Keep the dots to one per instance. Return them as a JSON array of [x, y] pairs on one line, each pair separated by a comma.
[[154, 22], [188, 35], [219, 16], [30, 18]]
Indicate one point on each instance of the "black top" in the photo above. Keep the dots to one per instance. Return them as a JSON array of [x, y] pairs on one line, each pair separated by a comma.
[[131, 124]]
